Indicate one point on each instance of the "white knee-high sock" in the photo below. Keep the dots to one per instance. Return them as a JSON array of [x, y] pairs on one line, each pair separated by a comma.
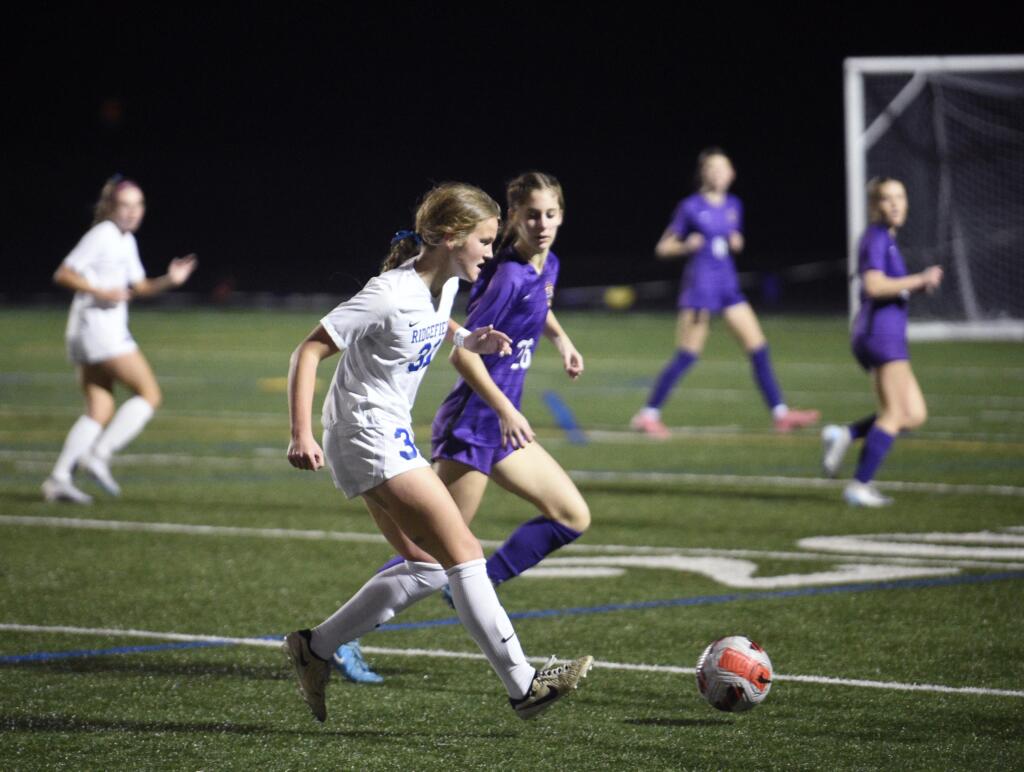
[[385, 595], [124, 427], [482, 614], [80, 438]]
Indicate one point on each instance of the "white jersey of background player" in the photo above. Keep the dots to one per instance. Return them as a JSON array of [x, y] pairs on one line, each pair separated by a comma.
[[104, 272], [108, 259]]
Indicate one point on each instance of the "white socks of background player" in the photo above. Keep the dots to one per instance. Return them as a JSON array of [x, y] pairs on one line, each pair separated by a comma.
[[128, 421], [385, 595], [83, 434], [481, 613]]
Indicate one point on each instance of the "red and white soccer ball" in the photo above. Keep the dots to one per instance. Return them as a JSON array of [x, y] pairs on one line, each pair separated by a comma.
[[734, 674]]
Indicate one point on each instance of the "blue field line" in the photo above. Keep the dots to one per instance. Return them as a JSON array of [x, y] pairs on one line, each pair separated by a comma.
[[50, 656], [699, 600], [709, 600]]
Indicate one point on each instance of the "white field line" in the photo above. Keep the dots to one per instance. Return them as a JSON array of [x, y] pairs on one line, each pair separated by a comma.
[[7, 410], [188, 529], [773, 481], [598, 549], [445, 654], [581, 475]]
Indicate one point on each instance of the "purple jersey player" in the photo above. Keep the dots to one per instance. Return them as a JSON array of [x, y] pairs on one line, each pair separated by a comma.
[[478, 432], [879, 342], [707, 227]]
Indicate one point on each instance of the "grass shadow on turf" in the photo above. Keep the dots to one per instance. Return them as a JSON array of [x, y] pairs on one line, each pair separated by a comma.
[[72, 724], [116, 664], [679, 721]]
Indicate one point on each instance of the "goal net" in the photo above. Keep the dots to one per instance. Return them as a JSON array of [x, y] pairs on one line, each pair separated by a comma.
[[952, 128]]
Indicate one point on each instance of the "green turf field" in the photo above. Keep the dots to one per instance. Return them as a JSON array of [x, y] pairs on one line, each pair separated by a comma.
[[726, 528]]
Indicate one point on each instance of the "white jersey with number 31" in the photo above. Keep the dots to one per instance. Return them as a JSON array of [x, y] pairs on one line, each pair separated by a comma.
[[388, 334]]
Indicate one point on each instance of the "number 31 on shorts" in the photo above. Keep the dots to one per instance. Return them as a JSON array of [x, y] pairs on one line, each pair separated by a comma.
[[409, 450]]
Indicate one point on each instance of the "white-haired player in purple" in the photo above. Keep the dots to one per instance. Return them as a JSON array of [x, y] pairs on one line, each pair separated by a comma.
[[707, 227], [879, 342]]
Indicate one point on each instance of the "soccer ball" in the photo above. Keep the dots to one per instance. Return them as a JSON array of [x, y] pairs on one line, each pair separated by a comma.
[[734, 674]]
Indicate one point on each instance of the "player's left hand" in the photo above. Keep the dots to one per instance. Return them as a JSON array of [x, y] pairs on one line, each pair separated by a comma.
[[516, 431], [736, 242], [180, 268], [572, 361], [487, 340]]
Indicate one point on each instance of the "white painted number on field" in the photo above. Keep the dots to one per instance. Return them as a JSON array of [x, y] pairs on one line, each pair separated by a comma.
[[928, 555]]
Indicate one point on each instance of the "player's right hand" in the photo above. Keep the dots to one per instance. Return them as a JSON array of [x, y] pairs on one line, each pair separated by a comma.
[[932, 278], [516, 431], [693, 242], [305, 453]]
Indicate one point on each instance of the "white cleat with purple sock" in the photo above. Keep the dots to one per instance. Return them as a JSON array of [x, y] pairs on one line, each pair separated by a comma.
[[858, 494], [835, 441]]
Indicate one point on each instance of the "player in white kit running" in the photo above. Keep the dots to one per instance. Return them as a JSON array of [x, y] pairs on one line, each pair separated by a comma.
[[105, 272], [389, 333]]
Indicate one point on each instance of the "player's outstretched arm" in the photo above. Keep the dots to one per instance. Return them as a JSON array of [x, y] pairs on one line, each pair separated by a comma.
[[670, 245], [572, 360], [178, 272], [303, 450], [878, 285]]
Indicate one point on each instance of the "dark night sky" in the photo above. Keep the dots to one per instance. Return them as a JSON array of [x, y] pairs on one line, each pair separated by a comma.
[[285, 147]]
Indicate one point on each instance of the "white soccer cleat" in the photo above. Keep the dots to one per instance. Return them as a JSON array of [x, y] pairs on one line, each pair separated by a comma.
[[835, 441], [858, 494], [550, 684], [99, 470], [64, 490], [312, 672]]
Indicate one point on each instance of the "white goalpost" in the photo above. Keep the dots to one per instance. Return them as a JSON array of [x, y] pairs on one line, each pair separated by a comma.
[[952, 128]]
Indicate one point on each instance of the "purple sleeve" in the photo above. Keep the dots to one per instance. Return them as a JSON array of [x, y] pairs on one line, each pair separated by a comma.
[[873, 247], [495, 303], [739, 214], [680, 222]]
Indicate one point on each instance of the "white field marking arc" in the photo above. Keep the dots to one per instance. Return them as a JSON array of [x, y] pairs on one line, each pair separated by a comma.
[[445, 654], [190, 529], [582, 475], [739, 574], [880, 544]]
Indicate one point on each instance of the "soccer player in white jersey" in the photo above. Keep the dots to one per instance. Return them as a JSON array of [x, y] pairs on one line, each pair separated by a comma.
[[389, 332], [105, 272]]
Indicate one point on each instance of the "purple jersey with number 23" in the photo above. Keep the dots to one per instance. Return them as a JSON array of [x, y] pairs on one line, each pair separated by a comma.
[[515, 298]]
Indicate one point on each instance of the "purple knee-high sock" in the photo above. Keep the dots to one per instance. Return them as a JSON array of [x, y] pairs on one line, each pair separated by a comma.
[[674, 370], [764, 375], [527, 546], [876, 446], [859, 429]]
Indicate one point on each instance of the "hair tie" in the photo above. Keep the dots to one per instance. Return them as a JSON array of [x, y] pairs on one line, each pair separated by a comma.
[[402, 235]]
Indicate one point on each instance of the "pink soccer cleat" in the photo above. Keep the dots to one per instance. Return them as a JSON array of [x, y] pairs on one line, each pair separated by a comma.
[[796, 419], [650, 425]]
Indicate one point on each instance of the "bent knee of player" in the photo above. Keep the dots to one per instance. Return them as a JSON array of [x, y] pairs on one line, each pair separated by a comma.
[[153, 395], [574, 514], [915, 416]]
